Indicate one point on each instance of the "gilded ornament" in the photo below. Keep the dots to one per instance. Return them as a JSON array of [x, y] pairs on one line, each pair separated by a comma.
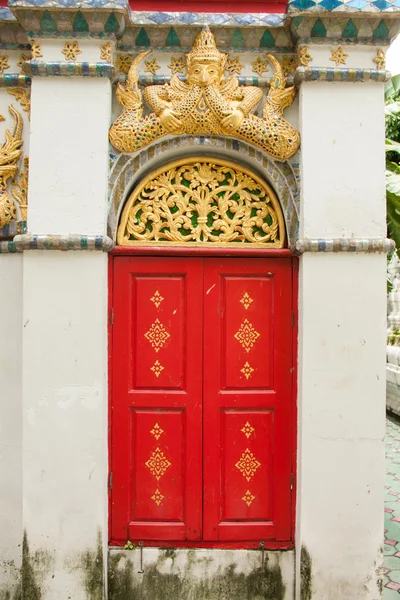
[[124, 62], [10, 153], [71, 50], [4, 64], [157, 335], [380, 59], [304, 56], [206, 103], [105, 52], [246, 336], [36, 50], [247, 370], [248, 498], [24, 97], [339, 56], [23, 58], [157, 497], [19, 190], [260, 66], [157, 298], [152, 66], [157, 431], [176, 65], [247, 430], [195, 200], [289, 64], [246, 300], [248, 464], [233, 65], [158, 464], [157, 368]]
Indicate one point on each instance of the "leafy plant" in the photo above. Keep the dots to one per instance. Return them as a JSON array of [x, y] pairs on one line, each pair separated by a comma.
[[392, 123], [129, 546]]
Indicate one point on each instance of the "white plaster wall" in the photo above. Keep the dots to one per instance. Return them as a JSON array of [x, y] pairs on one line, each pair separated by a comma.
[[65, 416], [10, 423], [342, 339], [342, 160], [357, 56], [90, 49], [69, 155]]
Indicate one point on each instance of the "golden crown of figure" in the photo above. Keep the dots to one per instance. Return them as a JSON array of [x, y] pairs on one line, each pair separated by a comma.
[[205, 49]]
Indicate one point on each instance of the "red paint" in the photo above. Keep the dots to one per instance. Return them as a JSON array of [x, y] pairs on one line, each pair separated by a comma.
[[269, 545], [201, 312], [266, 6], [184, 250]]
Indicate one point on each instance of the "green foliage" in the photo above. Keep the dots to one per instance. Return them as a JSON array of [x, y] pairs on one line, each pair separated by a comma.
[[392, 147], [129, 546]]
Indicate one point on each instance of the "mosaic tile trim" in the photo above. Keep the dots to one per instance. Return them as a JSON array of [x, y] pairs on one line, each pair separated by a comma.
[[337, 74], [349, 27], [368, 245], [6, 14], [63, 242], [144, 80], [8, 248], [104, 4], [357, 6], [57, 19], [69, 69], [14, 80], [126, 169], [220, 19]]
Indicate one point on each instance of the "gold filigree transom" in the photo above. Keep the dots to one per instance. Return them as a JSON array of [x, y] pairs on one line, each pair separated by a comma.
[[157, 497], [248, 464], [247, 335], [157, 431], [200, 201], [248, 498], [246, 300], [157, 335], [247, 430], [157, 298], [158, 463], [247, 370]]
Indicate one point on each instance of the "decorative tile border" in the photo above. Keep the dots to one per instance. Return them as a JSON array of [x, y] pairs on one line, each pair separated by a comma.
[[14, 80], [144, 80], [62, 242], [97, 4], [69, 69], [356, 6], [219, 19], [8, 248], [338, 74], [368, 245]]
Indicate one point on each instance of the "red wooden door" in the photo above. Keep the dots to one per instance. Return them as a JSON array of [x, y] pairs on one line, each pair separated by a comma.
[[202, 341], [247, 399], [157, 392]]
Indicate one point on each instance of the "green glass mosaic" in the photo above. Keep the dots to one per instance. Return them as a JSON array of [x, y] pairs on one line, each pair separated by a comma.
[[350, 30], [47, 23], [381, 31], [319, 29], [111, 25], [172, 38], [237, 39], [142, 39], [267, 40], [80, 24]]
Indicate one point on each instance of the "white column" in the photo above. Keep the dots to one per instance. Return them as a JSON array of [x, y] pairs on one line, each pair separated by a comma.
[[342, 339], [65, 393], [10, 423]]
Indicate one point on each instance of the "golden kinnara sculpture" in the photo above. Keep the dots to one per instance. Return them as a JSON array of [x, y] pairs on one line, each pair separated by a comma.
[[10, 153], [207, 103]]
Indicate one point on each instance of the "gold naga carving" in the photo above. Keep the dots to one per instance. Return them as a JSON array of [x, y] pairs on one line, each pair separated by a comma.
[[202, 200], [10, 153], [207, 103]]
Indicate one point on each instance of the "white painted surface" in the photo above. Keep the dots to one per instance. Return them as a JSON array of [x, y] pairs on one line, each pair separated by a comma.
[[10, 422], [393, 57], [342, 160], [357, 56], [65, 413], [69, 155], [342, 339], [90, 49]]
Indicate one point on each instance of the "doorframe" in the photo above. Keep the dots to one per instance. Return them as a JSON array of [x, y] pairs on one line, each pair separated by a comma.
[[215, 252]]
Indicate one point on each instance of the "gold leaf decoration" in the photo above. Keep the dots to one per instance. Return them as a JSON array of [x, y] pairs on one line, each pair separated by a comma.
[[152, 66], [157, 298], [248, 498], [123, 62], [157, 431], [248, 464], [339, 56], [105, 52], [246, 300], [247, 430], [247, 336], [19, 190], [23, 58], [157, 368], [233, 65], [157, 497], [202, 202], [157, 335], [158, 464], [247, 370], [260, 66], [71, 50], [36, 50], [4, 64], [304, 56], [24, 97], [10, 153], [176, 65], [289, 64], [380, 59]]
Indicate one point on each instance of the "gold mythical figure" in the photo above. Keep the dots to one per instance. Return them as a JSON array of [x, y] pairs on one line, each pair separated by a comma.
[[10, 153], [207, 103]]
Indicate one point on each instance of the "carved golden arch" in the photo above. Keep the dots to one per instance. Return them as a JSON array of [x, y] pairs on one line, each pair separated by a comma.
[[202, 200]]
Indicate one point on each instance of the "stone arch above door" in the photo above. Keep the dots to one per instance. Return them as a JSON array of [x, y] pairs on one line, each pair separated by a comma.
[[128, 170]]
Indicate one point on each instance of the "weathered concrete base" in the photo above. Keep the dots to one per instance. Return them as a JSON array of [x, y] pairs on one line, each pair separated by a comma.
[[200, 574], [393, 379]]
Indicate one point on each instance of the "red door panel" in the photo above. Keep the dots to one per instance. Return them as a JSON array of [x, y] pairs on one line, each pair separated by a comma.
[[157, 399], [247, 399]]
